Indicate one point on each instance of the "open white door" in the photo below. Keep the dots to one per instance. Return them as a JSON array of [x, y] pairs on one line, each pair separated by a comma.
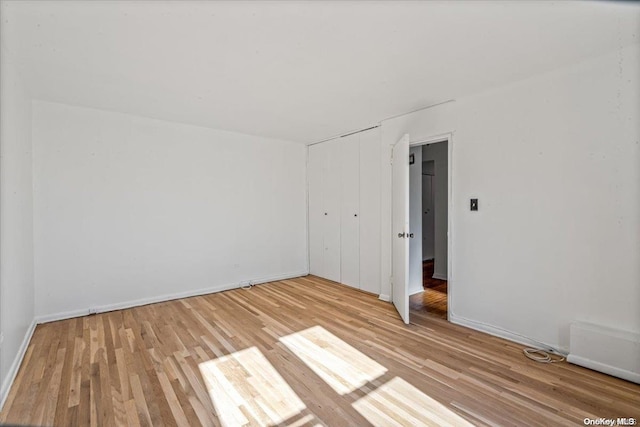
[[400, 227]]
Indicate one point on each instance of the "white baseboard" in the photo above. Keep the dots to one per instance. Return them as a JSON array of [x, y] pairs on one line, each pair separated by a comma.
[[502, 333], [280, 277], [613, 351], [604, 368], [15, 365], [415, 291], [161, 298], [439, 276], [384, 297]]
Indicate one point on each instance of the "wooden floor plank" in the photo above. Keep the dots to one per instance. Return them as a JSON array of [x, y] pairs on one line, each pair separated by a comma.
[[144, 366]]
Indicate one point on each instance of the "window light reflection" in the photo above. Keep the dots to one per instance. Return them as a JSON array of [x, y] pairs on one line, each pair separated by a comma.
[[247, 390], [398, 403], [341, 366]]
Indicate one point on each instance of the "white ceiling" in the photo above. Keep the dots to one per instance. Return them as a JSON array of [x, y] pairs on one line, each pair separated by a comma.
[[301, 71]]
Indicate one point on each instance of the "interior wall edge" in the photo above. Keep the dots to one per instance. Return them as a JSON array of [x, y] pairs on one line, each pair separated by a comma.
[[160, 298], [17, 285], [502, 333], [39, 99], [15, 365], [605, 368]]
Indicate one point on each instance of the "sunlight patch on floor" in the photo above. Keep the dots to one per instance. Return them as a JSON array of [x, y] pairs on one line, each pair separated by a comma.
[[341, 366], [306, 421], [398, 403], [247, 390]]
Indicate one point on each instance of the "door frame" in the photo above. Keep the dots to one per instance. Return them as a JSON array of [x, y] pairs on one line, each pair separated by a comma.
[[448, 138]]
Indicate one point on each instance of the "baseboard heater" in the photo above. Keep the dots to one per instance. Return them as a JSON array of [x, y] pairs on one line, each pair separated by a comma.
[[612, 351]]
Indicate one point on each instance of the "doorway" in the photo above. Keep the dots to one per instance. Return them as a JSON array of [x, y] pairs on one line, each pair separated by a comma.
[[428, 221]]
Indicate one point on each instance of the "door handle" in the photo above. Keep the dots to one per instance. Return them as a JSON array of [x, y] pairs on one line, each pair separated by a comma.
[[401, 235]]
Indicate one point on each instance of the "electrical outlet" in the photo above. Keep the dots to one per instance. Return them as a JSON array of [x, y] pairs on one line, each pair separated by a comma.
[[93, 310]]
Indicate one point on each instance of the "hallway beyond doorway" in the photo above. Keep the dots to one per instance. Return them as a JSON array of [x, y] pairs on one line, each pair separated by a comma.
[[433, 300]]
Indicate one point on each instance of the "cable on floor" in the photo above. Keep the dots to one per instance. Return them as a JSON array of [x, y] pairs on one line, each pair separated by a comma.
[[247, 285], [543, 356]]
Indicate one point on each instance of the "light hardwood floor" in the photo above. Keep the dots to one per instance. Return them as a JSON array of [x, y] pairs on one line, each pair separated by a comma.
[[296, 352]]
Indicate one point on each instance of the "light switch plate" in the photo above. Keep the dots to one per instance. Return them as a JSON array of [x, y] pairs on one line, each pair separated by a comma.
[[474, 204]]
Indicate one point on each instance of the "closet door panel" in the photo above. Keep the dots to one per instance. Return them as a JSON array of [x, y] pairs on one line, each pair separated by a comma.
[[315, 165], [350, 207], [370, 211], [331, 214]]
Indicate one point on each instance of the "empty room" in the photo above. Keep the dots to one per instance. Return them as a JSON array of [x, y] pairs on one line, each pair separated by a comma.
[[319, 213]]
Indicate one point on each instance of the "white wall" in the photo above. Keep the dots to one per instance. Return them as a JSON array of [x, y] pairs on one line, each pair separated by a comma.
[[415, 221], [129, 209], [369, 215], [555, 163], [438, 152], [16, 225]]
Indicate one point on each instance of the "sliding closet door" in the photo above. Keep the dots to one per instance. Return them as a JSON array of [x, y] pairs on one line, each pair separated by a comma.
[[331, 210], [317, 159], [350, 210], [344, 210]]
